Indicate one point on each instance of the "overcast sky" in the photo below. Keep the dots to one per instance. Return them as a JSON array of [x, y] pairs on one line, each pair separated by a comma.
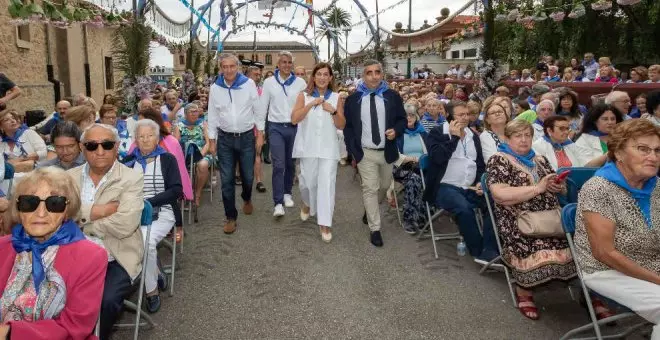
[[421, 10]]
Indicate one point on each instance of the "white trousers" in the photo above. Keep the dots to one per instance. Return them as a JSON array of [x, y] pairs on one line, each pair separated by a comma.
[[641, 296], [342, 146], [318, 177], [159, 229]]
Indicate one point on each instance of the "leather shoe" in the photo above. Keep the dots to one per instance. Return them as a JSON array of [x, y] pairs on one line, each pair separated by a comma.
[[230, 227], [248, 208], [261, 187], [376, 239], [153, 303]]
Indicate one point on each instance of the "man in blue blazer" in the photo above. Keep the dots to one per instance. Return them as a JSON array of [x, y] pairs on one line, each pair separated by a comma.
[[374, 118]]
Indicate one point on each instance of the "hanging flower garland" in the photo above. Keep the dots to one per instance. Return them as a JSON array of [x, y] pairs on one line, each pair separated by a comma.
[[65, 14]]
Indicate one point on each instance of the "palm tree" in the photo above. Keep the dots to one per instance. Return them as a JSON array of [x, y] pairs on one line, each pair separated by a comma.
[[338, 19]]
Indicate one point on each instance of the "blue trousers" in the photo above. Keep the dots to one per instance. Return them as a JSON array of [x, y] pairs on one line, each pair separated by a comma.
[[116, 289], [235, 148], [281, 137], [462, 202]]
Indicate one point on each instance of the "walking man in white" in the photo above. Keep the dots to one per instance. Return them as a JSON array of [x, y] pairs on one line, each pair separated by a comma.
[[232, 116], [277, 100]]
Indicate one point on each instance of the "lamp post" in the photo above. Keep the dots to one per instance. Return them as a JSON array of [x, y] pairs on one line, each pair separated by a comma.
[[346, 31], [409, 41]]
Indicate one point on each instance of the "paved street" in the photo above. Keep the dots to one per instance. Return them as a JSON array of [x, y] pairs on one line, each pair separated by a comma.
[[278, 280]]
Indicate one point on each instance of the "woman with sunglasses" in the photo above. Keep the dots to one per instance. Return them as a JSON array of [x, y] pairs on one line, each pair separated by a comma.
[[162, 188], [318, 113], [22, 146], [51, 277]]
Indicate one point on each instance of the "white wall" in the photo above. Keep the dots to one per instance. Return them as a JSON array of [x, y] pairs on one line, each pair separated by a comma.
[[466, 44]]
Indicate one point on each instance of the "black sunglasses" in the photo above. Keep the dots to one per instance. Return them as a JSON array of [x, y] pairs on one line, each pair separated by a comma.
[[106, 145], [30, 203]]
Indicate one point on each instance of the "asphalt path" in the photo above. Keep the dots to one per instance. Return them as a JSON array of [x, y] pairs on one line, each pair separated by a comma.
[[276, 279]]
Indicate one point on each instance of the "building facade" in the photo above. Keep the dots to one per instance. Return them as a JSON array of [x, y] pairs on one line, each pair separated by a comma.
[[263, 52], [440, 48], [161, 74], [79, 57]]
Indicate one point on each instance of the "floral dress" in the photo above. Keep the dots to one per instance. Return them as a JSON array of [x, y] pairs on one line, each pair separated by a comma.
[[193, 136], [533, 261]]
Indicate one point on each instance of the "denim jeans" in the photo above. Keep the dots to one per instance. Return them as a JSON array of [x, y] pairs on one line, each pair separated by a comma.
[[235, 148], [462, 202], [281, 137]]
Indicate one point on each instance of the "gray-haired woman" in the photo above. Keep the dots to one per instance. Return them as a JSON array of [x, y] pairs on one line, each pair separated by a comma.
[[162, 188]]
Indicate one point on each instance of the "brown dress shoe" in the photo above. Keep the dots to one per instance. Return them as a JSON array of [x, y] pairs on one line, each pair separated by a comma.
[[248, 208], [230, 227]]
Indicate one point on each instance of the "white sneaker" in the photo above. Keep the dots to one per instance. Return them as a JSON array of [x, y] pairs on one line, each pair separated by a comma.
[[288, 201], [278, 211]]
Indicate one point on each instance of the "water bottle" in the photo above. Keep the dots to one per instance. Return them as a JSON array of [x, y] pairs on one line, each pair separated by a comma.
[[461, 250]]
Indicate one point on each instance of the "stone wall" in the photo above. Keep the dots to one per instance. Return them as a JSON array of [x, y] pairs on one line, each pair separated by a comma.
[[24, 62]]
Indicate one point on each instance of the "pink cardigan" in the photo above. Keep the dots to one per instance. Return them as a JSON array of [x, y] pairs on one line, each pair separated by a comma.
[[82, 265]]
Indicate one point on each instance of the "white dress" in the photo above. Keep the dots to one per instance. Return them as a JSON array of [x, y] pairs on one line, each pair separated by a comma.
[[317, 147]]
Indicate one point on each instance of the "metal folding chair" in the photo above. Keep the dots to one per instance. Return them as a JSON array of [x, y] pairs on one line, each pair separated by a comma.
[[568, 222], [575, 180], [145, 220], [210, 181], [423, 166], [491, 205], [169, 269], [189, 150]]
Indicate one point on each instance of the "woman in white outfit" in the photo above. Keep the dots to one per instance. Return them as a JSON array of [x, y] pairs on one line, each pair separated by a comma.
[[318, 112], [162, 188]]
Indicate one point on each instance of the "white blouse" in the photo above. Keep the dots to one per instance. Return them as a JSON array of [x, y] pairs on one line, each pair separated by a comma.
[[590, 142], [579, 156], [317, 133], [31, 143]]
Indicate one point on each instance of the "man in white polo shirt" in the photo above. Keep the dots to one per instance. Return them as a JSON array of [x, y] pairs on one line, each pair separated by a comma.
[[277, 99], [232, 115]]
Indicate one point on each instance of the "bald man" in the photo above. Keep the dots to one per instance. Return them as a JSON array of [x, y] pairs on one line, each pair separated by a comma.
[[46, 126]]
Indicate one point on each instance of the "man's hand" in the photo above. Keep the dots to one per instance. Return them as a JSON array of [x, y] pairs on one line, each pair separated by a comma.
[[100, 211], [390, 134], [212, 147], [455, 128]]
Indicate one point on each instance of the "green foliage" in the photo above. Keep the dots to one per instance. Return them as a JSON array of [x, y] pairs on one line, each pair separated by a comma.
[[338, 19], [628, 35], [131, 50]]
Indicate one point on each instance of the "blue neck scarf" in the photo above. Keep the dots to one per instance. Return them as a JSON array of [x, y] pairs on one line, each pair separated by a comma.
[[531, 101], [287, 82], [57, 117], [527, 160], [122, 129], [143, 159], [604, 79], [538, 121], [416, 130], [440, 120], [555, 78], [68, 233], [563, 113], [365, 91], [642, 196], [236, 85], [597, 133], [199, 121], [15, 139], [557, 146], [326, 96]]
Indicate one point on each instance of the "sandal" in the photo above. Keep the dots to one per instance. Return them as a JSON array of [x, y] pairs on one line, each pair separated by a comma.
[[179, 235], [261, 187], [527, 307], [601, 310]]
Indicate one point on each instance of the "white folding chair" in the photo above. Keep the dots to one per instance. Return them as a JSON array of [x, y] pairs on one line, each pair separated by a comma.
[[169, 269], [568, 222], [146, 221], [423, 165]]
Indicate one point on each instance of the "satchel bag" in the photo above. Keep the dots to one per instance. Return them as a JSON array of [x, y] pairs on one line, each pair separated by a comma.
[[540, 224]]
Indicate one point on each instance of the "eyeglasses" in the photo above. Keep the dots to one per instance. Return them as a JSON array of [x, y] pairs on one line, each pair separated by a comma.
[[30, 203], [106, 145], [646, 150]]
